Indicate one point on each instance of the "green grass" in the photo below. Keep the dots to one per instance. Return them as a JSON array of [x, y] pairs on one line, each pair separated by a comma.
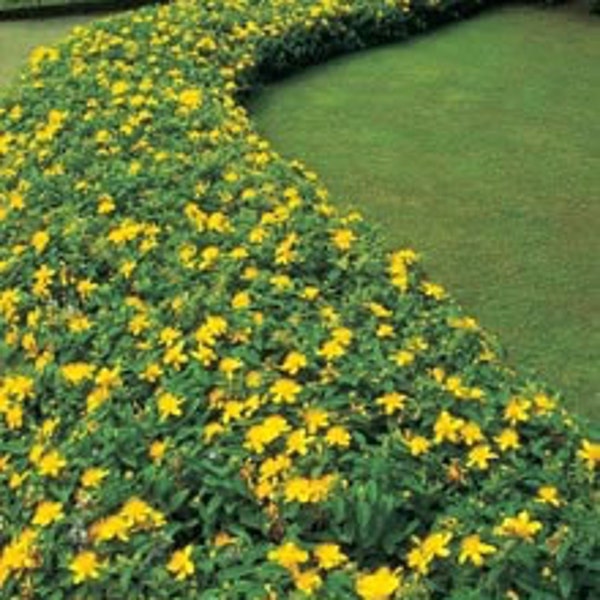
[[480, 146]]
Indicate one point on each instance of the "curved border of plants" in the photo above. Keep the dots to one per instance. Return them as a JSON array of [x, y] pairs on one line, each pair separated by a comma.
[[213, 384]]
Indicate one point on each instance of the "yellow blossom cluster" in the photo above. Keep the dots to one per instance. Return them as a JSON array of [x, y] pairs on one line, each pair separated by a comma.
[[134, 515], [308, 571]]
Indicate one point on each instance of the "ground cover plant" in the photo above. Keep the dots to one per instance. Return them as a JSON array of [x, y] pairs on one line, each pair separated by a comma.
[[481, 149], [214, 385]]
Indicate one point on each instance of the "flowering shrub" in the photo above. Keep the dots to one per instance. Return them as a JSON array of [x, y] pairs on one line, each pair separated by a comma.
[[213, 385]]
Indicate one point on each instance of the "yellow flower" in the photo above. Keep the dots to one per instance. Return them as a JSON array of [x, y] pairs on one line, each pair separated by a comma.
[[79, 323], [543, 404], [288, 555], [404, 358], [240, 300], [16, 480], [329, 556], [210, 330], [110, 528], [520, 526], [285, 390], [343, 238], [418, 445], [273, 466], [398, 269], [253, 379], [434, 545], [137, 512], [473, 549], [307, 581], [169, 335], [151, 373], [47, 512], [187, 254], [14, 417], [284, 253], [447, 427], [119, 88], [305, 490], [385, 330], [471, 433], [332, 349], [480, 456], [310, 293], [85, 566], [261, 435], [315, 419], [516, 410], [433, 290], [175, 356], [169, 406], [4, 462], [180, 564], [590, 453], [19, 386], [93, 477], [468, 323], [108, 378], [379, 310], [223, 539], [190, 99], [96, 398], [293, 362], [157, 450], [507, 439], [338, 436], [75, 373], [9, 300], [39, 240], [391, 402], [229, 366], [211, 430], [264, 489], [138, 324], [106, 205], [102, 136], [297, 442], [548, 494], [19, 554], [16, 200], [379, 585], [51, 464]]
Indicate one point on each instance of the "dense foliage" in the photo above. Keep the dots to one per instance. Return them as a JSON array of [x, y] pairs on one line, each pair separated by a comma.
[[213, 385]]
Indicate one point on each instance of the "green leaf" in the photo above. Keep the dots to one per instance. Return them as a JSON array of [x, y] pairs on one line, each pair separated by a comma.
[[565, 583]]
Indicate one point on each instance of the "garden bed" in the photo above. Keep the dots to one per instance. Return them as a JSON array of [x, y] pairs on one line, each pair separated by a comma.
[[216, 386]]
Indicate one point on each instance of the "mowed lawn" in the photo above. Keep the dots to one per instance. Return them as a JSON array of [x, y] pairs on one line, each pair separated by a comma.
[[479, 145]]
